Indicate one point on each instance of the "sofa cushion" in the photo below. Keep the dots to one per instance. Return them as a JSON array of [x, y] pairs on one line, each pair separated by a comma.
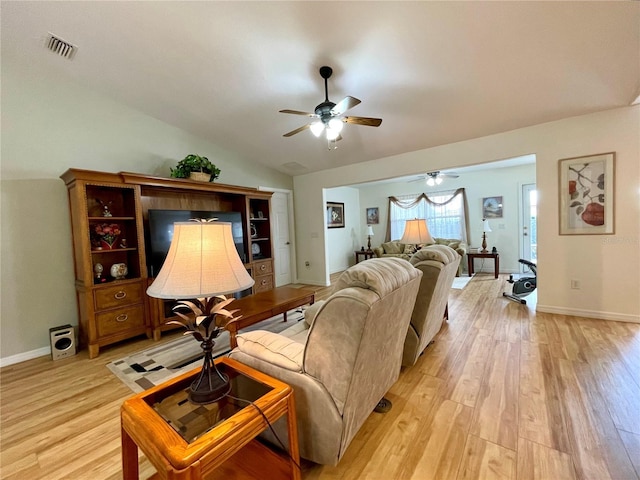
[[393, 247]]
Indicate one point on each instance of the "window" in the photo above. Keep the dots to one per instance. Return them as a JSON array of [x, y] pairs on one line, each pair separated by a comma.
[[444, 212]]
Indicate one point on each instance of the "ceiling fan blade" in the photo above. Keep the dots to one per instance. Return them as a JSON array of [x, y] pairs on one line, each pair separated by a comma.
[[298, 112], [297, 130], [448, 175], [345, 104], [369, 122]]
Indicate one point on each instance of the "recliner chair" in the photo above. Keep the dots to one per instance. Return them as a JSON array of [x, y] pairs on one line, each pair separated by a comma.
[[341, 360], [439, 265]]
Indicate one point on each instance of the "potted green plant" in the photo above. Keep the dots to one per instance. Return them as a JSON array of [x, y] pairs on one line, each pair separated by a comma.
[[197, 168]]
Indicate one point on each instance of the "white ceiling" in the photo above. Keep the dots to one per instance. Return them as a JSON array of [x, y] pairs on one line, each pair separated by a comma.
[[436, 72]]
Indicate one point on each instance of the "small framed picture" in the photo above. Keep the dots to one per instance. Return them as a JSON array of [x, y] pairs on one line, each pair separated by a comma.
[[335, 215], [492, 207], [586, 189], [373, 217]]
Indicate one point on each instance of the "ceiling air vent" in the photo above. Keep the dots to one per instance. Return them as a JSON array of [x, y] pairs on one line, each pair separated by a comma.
[[61, 47]]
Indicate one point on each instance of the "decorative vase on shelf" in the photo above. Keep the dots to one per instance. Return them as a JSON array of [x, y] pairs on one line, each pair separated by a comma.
[[119, 271], [108, 244], [107, 234]]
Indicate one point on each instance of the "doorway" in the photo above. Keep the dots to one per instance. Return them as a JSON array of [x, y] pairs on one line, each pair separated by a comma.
[[281, 230], [529, 224]]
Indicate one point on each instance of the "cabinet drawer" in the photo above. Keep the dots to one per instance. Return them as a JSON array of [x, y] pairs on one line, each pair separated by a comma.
[[118, 295], [120, 320], [263, 267], [264, 283]]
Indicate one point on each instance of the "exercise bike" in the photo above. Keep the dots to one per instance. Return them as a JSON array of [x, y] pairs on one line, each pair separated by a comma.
[[523, 286]]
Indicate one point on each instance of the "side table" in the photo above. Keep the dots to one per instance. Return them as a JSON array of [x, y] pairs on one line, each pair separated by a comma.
[[496, 261], [186, 441], [364, 253]]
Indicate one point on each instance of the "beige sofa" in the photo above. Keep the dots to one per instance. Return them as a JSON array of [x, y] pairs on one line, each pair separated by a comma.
[[439, 265], [345, 355], [396, 249]]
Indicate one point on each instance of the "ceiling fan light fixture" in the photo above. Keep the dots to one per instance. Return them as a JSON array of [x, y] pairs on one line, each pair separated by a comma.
[[317, 128], [332, 133], [431, 182], [438, 180], [336, 124]]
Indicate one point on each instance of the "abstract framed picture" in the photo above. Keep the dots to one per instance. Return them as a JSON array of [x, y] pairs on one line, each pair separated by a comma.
[[335, 215], [586, 189], [373, 216], [492, 207]]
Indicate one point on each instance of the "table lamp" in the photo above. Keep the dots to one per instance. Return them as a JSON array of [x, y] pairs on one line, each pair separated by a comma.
[[202, 265], [369, 235], [416, 232], [485, 228]]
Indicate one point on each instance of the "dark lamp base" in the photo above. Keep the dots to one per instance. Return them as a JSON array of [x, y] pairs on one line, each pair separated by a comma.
[[200, 391]]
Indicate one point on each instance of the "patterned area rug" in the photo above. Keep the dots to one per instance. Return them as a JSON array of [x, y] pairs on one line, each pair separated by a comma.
[[156, 365]]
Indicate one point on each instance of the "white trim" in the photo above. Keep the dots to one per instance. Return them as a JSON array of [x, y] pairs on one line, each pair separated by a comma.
[[23, 357], [614, 317], [292, 229]]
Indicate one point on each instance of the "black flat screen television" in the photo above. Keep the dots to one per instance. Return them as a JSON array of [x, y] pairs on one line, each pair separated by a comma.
[[161, 232]]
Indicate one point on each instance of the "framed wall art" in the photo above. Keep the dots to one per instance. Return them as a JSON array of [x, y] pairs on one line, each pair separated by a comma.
[[492, 207], [335, 215], [586, 189], [373, 216]]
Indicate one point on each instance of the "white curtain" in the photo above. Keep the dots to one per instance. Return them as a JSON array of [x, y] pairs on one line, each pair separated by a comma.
[[445, 212]]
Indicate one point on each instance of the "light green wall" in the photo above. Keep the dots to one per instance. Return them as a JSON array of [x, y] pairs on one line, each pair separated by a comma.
[[48, 126], [342, 242], [606, 266]]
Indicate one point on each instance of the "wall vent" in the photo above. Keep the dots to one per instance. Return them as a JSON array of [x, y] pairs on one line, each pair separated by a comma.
[[61, 47]]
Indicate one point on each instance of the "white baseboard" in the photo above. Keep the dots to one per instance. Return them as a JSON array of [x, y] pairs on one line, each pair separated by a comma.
[[23, 357], [616, 317]]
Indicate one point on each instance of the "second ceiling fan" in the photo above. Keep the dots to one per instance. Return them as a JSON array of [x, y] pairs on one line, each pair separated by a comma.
[[329, 116]]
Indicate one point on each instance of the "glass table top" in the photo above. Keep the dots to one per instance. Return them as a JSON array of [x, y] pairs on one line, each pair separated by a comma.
[[193, 420]]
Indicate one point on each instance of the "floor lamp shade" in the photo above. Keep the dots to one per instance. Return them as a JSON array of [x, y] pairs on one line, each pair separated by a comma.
[[416, 232], [202, 262]]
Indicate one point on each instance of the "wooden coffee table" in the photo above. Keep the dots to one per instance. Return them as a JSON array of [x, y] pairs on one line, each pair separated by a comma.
[[263, 305]]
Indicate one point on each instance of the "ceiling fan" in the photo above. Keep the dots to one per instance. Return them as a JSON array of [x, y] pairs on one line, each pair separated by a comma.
[[435, 178], [329, 116]]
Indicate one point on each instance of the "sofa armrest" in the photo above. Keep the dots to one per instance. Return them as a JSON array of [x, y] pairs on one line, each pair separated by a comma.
[[272, 348], [379, 251], [311, 311]]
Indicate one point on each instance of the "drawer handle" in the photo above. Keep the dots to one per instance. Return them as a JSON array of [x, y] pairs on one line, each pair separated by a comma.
[[263, 267], [120, 295], [123, 317], [264, 282]]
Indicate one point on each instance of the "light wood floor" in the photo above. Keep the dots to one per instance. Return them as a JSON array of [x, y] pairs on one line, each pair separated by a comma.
[[503, 393]]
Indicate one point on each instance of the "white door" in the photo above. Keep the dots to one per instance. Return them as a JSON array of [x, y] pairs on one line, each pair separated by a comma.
[[281, 235], [529, 223]]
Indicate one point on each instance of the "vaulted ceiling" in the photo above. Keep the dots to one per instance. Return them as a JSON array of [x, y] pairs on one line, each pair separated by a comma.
[[435, 72]]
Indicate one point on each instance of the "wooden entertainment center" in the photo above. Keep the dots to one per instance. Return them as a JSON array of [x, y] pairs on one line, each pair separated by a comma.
[[112, 306]]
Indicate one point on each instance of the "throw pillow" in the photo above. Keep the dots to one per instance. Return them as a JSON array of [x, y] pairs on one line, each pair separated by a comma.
[[454, 245], [393, 247], [409, 249]]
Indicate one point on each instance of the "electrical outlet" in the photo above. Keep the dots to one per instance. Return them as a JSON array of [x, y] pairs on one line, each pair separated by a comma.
[[307, 264], [575, 284]]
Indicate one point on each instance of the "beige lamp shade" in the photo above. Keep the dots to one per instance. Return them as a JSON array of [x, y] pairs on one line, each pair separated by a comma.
[[202, 262], [370, 230], [416, 232], [485, 225]]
